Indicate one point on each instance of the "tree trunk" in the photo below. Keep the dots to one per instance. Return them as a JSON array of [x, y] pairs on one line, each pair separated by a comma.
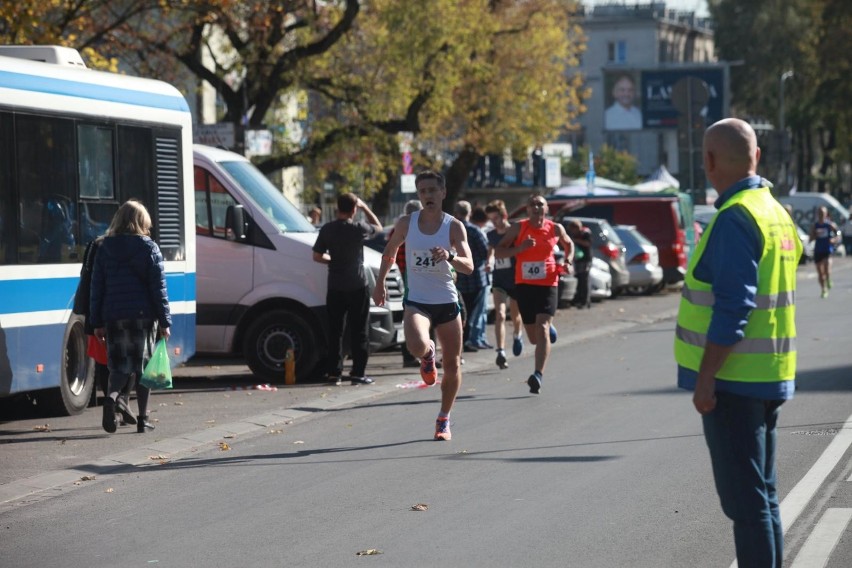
[[457, 175]]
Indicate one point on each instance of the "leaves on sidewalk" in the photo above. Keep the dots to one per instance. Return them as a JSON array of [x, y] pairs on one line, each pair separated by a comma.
[[419, 507], [42, 428], [368, 552]]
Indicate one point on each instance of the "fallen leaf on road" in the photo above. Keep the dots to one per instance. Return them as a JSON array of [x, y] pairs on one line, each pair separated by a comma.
[[210, 422], [276, 432], [368, 552], [158, 457], [178, 403], [462, 452], [42, 428], [224, 446], [87, 478], [419, 507], [229, 436], [298, 442], [164, 404], [323, 394], [110, 490]]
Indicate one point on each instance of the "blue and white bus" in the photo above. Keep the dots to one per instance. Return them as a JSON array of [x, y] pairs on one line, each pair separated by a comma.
[[74, 144]]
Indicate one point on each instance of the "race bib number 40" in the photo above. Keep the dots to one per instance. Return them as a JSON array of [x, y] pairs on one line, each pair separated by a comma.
[[534, 270], [423, 262]]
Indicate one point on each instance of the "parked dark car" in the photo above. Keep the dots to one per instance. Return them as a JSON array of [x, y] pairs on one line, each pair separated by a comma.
[[607, 246]]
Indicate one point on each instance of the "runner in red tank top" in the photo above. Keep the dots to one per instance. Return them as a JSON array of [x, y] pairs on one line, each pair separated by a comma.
[[532, 242]]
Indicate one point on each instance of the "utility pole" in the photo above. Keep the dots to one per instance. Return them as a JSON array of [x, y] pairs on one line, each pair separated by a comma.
[[782, 135]]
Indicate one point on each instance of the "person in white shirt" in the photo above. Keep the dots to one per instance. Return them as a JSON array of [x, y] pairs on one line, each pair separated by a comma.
[[623, 115]]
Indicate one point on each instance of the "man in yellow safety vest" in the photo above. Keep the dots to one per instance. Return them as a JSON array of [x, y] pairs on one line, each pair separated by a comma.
[[735, 341]]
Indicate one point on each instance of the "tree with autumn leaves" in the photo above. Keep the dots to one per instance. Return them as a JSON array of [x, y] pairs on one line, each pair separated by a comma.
[[463, 77], [813, 39]]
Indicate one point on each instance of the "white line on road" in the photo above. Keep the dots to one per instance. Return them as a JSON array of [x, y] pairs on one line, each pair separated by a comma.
[[817, 549], [803, 492]]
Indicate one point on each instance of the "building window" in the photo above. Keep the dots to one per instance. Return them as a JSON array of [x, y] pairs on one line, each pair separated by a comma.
[[616, 51]]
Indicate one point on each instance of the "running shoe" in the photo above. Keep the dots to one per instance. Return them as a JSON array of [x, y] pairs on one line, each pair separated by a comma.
[[501, 360], [442, 429], [428, 371], [535, 383], [518, 346], [824, 294], [828, 283], [553, 334]]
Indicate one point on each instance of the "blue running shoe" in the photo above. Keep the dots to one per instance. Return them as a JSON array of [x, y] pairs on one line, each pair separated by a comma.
[[535, 383], [518, 346], [553, 334]]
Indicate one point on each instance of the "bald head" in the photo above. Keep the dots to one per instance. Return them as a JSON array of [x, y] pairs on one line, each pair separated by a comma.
[[730, 152]]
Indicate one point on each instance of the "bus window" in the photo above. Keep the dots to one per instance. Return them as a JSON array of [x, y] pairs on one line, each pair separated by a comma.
[[96, 167], [46, 167]]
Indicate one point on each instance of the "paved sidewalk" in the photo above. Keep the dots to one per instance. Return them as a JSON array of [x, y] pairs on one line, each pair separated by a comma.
[[215, 401]]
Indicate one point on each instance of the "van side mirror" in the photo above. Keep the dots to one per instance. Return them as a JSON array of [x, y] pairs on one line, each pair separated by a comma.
[[236, 223]]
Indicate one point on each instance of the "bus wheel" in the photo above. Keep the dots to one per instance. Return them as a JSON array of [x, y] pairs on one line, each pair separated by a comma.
[[77, 377], [267, 340]]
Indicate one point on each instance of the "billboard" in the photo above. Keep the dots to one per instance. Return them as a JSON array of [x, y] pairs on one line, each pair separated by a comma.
[[668, 95], [622, 100]]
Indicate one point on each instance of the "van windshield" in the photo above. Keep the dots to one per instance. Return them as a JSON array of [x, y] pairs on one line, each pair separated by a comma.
[[268, 199]]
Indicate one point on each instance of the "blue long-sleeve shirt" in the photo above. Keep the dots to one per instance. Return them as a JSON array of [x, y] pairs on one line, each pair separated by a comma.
[[729, 263], [478, 279]]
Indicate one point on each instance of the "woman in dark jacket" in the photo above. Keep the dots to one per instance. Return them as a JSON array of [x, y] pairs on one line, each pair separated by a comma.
[[128, 297]]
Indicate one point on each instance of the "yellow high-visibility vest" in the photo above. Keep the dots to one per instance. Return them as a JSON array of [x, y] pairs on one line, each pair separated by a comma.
[[767, 353]]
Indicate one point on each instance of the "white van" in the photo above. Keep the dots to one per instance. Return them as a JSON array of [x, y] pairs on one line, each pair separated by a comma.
[[259, 291], [805, 206]]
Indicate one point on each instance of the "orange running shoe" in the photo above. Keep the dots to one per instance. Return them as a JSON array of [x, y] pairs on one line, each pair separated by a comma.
[[442, 429], [428, 371]]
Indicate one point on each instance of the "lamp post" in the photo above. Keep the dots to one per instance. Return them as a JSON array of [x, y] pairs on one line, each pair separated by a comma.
[[782, 138]]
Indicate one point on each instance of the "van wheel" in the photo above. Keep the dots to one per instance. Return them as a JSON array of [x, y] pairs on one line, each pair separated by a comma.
[[267, 340], [77, 376]]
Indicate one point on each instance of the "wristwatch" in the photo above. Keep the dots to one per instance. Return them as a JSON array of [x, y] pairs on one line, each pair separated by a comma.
[[450, 256]]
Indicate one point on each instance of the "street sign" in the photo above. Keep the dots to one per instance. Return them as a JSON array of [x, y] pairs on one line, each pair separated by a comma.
[[406, 183], [221, 134], [552, 172]]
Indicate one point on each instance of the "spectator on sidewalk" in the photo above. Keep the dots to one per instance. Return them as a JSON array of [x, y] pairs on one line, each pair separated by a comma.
[[340, 245], [128, 305], [473, 286]]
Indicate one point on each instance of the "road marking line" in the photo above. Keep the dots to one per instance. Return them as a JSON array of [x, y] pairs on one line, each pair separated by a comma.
[[803, 492], [820, 544]]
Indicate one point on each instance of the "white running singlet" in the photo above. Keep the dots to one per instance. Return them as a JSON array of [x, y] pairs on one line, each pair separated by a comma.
[[428, 282]]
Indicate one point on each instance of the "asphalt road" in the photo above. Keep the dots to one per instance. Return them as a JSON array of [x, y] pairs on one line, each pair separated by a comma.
[[607, 467]]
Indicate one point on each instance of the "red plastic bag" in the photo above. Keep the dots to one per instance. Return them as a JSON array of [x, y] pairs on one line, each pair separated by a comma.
[[97, 350]]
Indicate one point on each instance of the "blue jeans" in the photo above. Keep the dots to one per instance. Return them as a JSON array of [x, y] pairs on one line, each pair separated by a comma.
[[741, 437], [474, 303]]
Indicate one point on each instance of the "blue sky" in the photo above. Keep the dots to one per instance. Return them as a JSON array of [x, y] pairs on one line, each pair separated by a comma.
[[698, 6]]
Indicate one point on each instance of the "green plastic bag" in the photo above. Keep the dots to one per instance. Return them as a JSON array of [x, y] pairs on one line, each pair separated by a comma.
[[158, 371]]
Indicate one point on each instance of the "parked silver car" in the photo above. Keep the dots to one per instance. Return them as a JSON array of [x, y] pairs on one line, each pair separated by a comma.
[[643, 260], [600, 280]]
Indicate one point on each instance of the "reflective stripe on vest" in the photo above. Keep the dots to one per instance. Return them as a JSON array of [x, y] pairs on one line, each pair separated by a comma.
[[767, 353], [762, 301]]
